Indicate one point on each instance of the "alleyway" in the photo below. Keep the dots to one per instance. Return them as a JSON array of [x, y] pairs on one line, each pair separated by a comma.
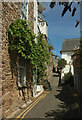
[[58, 103]]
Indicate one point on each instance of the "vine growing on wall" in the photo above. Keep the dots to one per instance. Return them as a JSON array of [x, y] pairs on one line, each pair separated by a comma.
[[22, 39]]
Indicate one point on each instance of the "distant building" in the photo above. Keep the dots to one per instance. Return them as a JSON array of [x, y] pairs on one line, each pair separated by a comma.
[[43, 28], [38, 9], [55, 63], [68, 47]]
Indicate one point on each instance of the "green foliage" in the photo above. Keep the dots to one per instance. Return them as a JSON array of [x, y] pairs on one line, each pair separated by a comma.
[[22, 39], [52, 53], [69, 79], [50, 47], [20, 107], [67, 7], [62, 63], [42, 55]]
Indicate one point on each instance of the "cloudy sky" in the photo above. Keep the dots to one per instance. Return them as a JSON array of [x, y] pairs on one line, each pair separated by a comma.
[[60, 28]]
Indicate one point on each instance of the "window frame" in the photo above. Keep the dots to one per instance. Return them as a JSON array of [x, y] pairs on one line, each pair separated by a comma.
[[22, 64]]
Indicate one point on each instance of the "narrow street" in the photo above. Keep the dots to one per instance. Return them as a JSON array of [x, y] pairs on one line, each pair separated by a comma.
[[40, 68], [58, 103]]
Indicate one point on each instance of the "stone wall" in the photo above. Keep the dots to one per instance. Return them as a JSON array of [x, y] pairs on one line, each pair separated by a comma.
[[78, 76], [50, 70], [50, 66], [80, 86], [0, 59], [12, 97], [10, 12], [31, 15]]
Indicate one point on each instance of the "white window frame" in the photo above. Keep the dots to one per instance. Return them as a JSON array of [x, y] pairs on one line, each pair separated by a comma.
[[24, 10]]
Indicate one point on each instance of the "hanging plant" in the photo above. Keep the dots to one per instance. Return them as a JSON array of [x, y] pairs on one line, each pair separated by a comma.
[[22, 39]]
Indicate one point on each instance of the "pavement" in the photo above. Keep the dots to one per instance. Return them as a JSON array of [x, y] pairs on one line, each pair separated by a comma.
[[59, 103]]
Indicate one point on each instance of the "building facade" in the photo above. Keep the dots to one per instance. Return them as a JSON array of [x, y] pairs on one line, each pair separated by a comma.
[[17, 73], [77, 76], [55, 63], [14, 70], [76, 65], [68, 47]]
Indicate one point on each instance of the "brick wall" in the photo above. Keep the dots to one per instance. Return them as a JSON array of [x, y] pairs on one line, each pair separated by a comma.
[[12, 98]]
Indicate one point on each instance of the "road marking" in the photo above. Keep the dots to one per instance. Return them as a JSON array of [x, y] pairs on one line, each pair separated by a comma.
[[31, 105], [46, 92]]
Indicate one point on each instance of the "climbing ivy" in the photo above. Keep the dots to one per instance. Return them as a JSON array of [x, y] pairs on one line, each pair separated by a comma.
[[22, 39]]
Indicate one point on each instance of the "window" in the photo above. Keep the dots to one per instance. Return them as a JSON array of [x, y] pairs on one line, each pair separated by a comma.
[[23, 17], [22, 72], [35, 75], [24, 10]]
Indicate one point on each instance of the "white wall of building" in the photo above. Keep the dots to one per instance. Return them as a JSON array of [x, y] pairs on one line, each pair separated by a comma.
[[43, 28], [67, 57], [35, 17], [36, 33]]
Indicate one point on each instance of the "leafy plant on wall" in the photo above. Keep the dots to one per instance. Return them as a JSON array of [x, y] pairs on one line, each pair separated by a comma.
[[62, 63], [22, 39]]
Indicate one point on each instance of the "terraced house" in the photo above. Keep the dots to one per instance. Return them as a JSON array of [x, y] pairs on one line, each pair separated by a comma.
[[16, 71]]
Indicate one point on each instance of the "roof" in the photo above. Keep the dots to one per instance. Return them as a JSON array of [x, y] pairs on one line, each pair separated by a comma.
[[70, 45], [40, 7]]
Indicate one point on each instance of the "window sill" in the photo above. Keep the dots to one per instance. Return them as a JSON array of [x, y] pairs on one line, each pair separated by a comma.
[[21, 86]]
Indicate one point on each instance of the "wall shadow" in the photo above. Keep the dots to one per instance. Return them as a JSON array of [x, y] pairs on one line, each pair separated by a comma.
[[14, 67], [14, 64], [55, 75], [67, 108]]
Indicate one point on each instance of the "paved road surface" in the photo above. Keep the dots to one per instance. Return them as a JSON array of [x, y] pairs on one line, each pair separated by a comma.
[[58, 103]]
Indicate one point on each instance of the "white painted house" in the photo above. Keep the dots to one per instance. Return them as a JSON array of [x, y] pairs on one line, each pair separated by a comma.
[[42, 24], [68, 47], [38, 28]]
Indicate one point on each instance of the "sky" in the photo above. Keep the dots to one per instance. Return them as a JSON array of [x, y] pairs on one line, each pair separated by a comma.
[[60, 28]]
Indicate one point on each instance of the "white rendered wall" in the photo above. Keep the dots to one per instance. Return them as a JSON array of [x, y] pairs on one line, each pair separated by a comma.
[[67, 57], [43, 28], [27, 8], [35, 17], [36, 33]]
